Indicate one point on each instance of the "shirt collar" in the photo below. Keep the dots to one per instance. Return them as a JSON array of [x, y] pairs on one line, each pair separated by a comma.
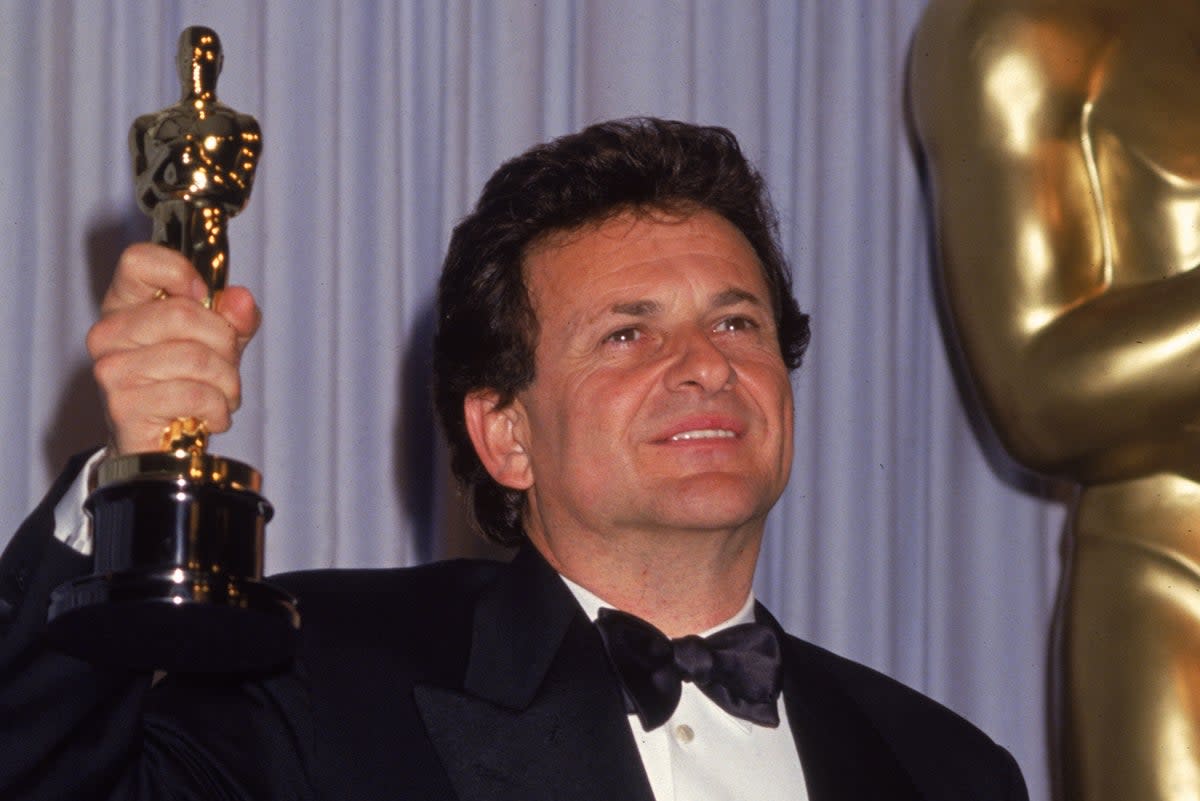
[[592, 604]]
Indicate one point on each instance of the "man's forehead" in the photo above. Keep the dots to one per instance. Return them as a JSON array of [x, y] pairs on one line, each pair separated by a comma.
[[635, 237], [614, 226]]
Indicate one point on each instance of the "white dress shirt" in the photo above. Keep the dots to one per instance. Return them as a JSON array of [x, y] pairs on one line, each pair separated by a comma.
[[702, 753]]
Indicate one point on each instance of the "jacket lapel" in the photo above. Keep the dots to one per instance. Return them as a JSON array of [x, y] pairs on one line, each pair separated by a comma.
[[842, 753], [539, 714]]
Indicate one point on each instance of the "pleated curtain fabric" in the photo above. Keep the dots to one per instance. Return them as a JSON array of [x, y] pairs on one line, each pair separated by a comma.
[[898, 541]]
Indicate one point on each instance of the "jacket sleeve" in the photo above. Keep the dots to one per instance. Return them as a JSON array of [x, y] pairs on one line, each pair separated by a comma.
[[70, 730]]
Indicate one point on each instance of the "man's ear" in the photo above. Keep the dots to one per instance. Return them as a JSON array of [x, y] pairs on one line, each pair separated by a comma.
[[499, 435]]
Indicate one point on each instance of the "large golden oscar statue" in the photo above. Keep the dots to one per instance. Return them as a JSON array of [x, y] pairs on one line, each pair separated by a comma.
[[1061, 140]]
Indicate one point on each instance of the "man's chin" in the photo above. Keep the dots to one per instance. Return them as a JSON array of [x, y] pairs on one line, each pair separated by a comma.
[[715, 501]]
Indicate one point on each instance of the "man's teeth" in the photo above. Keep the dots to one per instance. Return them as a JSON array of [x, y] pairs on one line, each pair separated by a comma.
[[704, 433]]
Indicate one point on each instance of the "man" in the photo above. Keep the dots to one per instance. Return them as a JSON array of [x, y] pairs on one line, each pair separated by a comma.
[[614, 337]]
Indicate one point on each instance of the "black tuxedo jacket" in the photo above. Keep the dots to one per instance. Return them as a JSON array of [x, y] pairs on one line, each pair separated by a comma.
[[459, 680]]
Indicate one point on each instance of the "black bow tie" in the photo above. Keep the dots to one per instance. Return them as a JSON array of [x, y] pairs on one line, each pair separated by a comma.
[[738, 668]]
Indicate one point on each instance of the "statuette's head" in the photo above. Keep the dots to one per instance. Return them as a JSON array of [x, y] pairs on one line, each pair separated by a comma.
[[199, 61]]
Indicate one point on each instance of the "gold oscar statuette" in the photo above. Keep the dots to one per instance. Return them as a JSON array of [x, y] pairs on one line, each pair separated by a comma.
[[179, 532]]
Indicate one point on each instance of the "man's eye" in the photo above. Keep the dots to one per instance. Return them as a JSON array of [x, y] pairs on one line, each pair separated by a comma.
[[736, 323], [624, 336]]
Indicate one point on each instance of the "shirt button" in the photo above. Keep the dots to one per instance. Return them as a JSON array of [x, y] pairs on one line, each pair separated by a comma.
[[684, 733]]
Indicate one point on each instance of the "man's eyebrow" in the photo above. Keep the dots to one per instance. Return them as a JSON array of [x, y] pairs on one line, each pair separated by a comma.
[[649, 308], [637, 308], [732, 297]]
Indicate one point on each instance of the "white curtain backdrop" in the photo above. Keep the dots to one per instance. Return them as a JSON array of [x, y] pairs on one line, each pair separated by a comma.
[[898, 542]]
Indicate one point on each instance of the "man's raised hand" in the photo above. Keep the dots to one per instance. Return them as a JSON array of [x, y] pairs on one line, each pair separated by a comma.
[[158, 354]]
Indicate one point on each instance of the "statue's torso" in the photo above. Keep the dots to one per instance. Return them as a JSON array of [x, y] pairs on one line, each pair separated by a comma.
[[198, 158]]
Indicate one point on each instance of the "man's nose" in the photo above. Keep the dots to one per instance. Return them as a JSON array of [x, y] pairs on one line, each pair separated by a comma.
[[698, 364]]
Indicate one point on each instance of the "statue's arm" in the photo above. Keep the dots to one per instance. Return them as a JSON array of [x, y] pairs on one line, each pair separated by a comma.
[[251, 151], [137, 142], [143, 170], [1079, 377]]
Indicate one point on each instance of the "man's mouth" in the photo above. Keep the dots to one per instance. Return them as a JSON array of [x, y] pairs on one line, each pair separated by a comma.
[[703, 433]]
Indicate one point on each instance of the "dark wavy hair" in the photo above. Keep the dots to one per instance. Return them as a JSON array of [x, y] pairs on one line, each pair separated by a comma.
[[486, 327]]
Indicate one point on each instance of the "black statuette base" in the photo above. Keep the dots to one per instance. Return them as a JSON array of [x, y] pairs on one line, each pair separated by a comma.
[[178, 583]]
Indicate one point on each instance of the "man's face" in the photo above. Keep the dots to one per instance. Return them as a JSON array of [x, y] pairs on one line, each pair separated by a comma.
[[661, 401]]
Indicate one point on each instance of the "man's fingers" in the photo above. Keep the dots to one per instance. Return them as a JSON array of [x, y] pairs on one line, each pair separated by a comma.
[[122, 373], [146, 269], [160, 355], [237, 306], [166, 320], [144, 412], [147, 388]]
